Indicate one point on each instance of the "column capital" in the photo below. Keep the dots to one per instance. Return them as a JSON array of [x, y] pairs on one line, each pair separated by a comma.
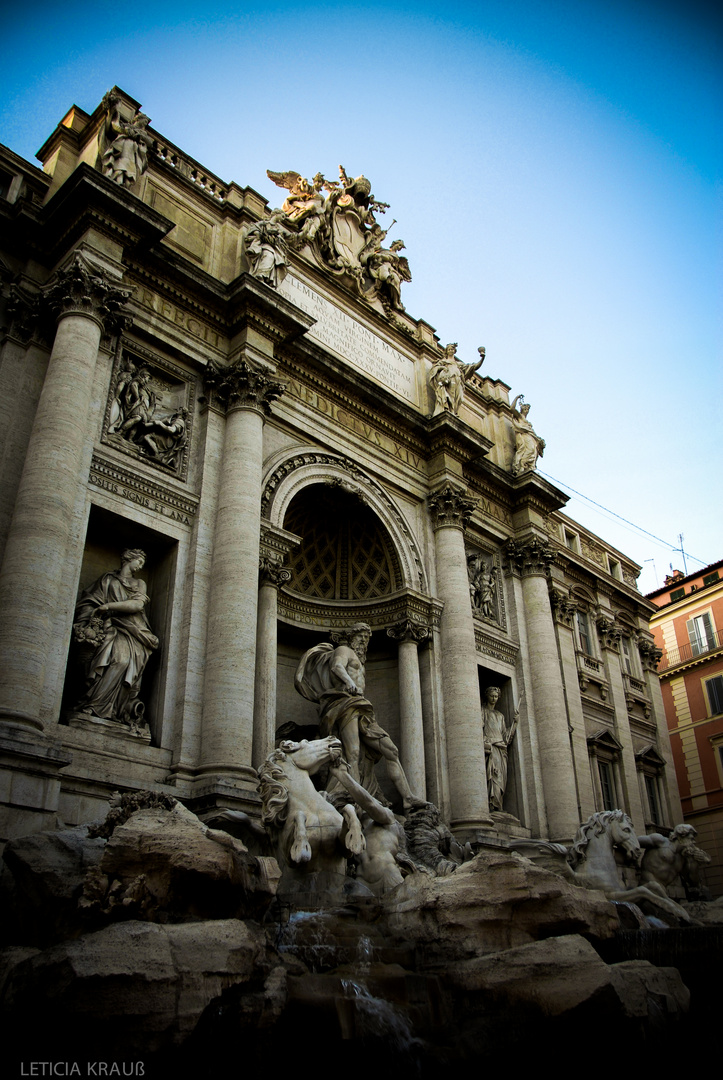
[[608, 631], [408, 630], [563, 608], [241, 386], [272, 572], [530, 557], [450, 507], [82, 288], [650, 654]]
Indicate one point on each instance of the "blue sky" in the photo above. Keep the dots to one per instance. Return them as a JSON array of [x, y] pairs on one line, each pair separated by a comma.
[[554, 169]]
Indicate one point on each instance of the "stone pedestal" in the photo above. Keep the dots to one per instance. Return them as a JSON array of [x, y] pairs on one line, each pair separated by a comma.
[[450, 510]]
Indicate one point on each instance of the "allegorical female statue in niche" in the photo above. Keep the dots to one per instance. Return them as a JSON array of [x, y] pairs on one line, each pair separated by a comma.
[[114, 634]]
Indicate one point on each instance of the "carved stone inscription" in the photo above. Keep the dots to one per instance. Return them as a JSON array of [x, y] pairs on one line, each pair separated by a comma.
[[349, 339], [353, 423]]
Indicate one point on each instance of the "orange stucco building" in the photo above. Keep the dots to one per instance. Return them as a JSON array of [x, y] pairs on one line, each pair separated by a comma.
[[688, 627]]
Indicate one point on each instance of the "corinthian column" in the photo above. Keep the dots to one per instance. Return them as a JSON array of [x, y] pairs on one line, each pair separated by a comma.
[[408, 634], [271, 576], [245, 394], [530, 560], [84, 302], [450, 510]]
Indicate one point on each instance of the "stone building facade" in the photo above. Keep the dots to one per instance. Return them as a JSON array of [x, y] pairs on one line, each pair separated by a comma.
[[688, 628], [239, 401]]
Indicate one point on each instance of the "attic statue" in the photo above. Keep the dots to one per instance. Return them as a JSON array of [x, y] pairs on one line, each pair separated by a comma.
[[265, 246], [126, 158], [528, 447], [449, 376], [116, 643], [335, 679]]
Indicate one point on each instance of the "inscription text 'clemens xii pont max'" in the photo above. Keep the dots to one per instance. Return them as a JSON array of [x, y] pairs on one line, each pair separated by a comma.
[[352, 341]]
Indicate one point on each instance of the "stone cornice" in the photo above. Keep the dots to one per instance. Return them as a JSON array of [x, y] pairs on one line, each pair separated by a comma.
[[446, 433], [251, 302], [449, 507], [490, 645], [115, 479], [379, 613], [89, 198]]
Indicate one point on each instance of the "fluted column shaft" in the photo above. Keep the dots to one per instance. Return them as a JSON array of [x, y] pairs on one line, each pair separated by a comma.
[[271, 575], [532, 560], [228, 714], [450, 510], [34, 563], [411, 723]]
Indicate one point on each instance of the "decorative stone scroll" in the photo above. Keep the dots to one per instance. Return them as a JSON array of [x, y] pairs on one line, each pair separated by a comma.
[[408, 630], [529, 557], [241, 386], [80, 288], [271, 572], [450, 507]]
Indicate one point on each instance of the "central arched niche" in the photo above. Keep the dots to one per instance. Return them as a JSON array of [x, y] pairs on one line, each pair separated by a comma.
[[345, 553], [346, 558]]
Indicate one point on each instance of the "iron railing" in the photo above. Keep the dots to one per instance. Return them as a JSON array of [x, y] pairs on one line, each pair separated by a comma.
[[682, 655]]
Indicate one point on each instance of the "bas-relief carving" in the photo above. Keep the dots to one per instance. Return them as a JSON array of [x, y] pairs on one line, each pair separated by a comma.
[[482, 581], [342, 231], [126, 158], [448, 376], [148, 414], [528, 446], [335, 678], [116, 642], [497, 739]]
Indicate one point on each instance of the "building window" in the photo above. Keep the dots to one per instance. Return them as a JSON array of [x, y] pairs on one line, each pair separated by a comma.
[[677, 594], [583, 630], [710, 579], [714, 690], [651, 789], [626, 651], [607, 785], [614, 567], [572, 542], [700, 633]]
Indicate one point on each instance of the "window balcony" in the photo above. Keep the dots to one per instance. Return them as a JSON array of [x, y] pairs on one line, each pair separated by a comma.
[[685, 653]]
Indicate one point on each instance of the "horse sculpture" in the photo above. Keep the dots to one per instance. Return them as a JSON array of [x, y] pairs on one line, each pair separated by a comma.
[[311, 837], [592, 861]]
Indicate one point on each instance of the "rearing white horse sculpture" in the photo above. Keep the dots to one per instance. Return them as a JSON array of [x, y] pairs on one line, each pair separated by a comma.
[[593, 864]]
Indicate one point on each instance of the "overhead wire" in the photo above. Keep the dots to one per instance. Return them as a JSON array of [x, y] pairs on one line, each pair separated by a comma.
[[612, 513]]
